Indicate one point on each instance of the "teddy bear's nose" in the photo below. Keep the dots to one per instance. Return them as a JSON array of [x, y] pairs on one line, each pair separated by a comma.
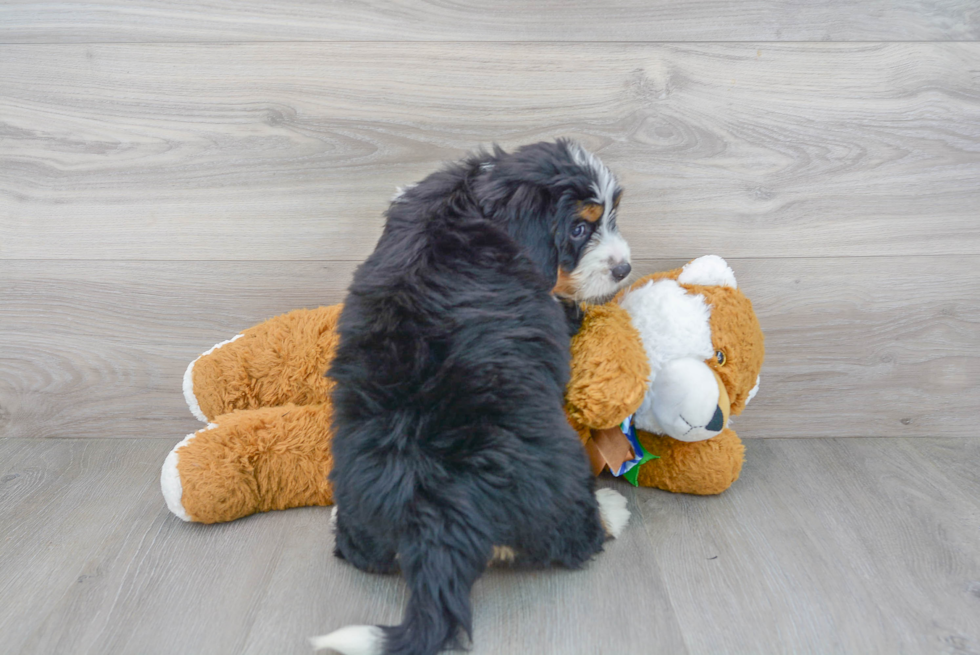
[[620, 271], [717, 421]]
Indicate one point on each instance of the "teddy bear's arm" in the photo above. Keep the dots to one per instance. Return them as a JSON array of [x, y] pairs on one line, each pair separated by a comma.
[[609, 373]]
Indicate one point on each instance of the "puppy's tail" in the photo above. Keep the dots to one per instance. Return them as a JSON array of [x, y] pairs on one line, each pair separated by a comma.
[[353, 640], [440, 568]]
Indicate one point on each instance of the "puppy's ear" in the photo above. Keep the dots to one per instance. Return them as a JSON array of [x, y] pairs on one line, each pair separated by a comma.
[[525, 210], [530, 221]]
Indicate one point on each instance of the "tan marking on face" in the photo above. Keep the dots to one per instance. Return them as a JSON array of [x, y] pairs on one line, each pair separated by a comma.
[[564, 285], [591, 212]]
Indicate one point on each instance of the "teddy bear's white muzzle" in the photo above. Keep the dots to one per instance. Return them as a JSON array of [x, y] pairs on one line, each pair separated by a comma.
[[687, 401]]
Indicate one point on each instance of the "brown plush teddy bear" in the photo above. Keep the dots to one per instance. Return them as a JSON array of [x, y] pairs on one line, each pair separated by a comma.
[[656, 373], [703, 350]]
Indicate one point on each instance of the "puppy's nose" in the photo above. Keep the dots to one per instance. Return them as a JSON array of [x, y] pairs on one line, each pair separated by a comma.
[[620, 271]]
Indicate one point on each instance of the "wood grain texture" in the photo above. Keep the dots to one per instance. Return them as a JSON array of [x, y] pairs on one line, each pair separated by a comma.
[[27, 21], [125, 572], [290, 151], [866, 546], [823, 545], [98, 349], [70, 512], [876, 346]]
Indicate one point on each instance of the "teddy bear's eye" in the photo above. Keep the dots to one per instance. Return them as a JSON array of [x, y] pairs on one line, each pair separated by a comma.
[[720, 356]]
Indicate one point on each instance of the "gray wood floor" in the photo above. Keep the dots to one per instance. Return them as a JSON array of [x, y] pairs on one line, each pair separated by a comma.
[[171, 172], [823, 546]]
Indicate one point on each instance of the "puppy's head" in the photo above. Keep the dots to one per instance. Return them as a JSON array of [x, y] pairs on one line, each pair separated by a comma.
[[559, 201]]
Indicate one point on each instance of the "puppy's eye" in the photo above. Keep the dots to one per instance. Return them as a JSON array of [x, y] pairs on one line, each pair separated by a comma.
[[721, 358], [578, 231]]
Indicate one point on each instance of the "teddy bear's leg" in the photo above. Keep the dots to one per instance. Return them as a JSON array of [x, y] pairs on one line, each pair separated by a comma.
[[280, 361], [698, 467], [361, 549], [251, 461], [190, 397]]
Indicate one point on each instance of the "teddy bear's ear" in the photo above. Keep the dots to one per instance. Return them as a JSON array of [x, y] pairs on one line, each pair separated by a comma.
[[707, 271]]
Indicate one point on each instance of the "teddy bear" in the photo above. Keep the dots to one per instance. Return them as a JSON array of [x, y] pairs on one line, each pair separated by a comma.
[[656, 374], [703, 348]]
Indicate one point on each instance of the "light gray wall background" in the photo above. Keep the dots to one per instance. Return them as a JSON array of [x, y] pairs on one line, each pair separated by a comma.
[[171, 173]]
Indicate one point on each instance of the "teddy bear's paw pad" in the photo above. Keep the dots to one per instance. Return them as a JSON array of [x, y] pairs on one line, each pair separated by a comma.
[[612, 510], [352, 640]]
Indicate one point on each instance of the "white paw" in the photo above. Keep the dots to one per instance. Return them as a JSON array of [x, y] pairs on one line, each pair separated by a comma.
[[189, 397], [170, 480], [170, 485], [333, 518], [612, 509]]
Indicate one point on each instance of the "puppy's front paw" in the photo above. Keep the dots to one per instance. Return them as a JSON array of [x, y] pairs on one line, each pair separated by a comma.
[[612, 510]]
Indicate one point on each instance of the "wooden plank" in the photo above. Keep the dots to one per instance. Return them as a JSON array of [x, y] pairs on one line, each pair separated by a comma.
[[69, 510], [856, 346], [291, 151], [823, 545], [258, 585], [98, 349], [504, 20], [865, 347], [307, 592], [827, 545], [123, 572]]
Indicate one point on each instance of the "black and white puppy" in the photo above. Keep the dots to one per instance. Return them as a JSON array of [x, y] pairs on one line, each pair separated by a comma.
[[450, 435]]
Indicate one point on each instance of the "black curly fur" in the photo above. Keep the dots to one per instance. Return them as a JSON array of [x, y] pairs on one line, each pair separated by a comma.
[[450, 435]]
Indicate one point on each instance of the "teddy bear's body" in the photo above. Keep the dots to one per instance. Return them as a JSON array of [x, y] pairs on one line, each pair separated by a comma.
[[651, 353]]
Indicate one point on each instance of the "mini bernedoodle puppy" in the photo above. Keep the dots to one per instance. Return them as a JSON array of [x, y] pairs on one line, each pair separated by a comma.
[[451, 443]]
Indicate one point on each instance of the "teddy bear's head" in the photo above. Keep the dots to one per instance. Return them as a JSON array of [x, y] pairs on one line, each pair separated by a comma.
[[704, 346]]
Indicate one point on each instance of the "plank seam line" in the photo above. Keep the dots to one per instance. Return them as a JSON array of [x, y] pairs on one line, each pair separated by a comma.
[[507, 42]]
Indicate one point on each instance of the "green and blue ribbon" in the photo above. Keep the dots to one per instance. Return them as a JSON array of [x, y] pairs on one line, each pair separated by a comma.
[[630, 469]]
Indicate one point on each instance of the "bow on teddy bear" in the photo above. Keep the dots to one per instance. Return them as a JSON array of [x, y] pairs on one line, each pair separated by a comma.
[[656, 374]]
